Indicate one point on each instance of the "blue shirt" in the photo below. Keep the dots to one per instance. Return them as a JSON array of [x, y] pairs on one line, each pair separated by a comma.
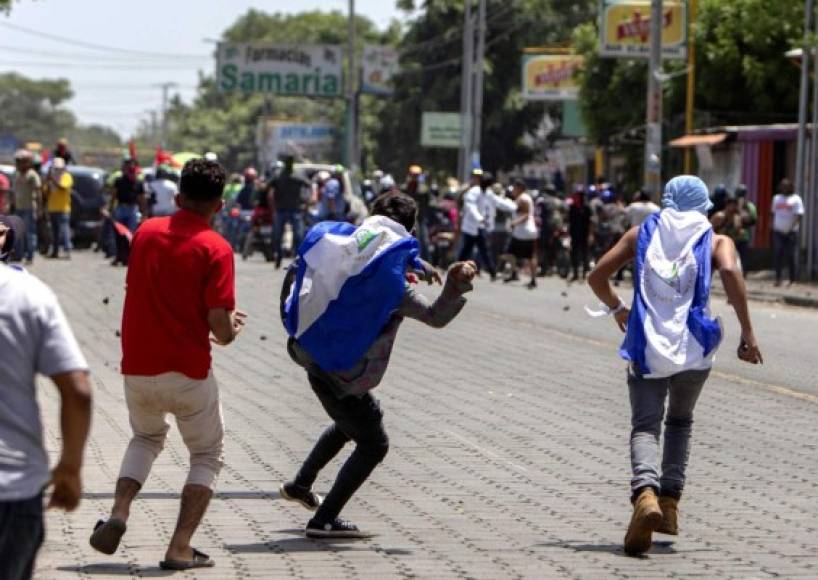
[[331, 190]]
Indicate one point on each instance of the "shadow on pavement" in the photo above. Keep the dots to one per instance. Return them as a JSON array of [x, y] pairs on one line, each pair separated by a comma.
[[176, 495], [659, 547], [292, 545], [117, 569]]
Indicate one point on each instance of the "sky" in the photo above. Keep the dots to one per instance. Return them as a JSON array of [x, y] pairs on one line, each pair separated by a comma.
[[118, 89]]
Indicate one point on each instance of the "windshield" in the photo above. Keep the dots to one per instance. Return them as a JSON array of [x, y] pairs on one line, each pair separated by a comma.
[[88, 185]]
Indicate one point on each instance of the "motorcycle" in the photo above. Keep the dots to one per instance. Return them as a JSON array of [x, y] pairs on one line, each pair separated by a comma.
[[260, 234], [561, 242]]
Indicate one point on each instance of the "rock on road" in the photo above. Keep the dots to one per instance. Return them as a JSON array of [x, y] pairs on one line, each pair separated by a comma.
[[508, 459]]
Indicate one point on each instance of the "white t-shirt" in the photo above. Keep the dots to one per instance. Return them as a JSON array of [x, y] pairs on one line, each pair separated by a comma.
[[786, 208], [34, 338], [165, 191], [638, 212]]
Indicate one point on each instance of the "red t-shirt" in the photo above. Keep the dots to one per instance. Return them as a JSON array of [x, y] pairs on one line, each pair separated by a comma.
[[178, 269]]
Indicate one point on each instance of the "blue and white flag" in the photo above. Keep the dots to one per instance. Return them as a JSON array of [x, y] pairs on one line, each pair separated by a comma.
[[349, 283], [670, 329]]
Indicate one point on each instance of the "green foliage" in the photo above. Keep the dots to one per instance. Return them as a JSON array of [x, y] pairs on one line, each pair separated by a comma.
[[32, 110], [431, 78], [742, 75]]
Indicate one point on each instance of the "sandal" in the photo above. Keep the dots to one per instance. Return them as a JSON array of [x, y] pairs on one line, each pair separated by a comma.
[[200, 560], [107, 535]]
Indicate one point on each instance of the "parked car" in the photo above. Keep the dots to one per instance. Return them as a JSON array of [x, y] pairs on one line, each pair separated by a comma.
[[87, 201]]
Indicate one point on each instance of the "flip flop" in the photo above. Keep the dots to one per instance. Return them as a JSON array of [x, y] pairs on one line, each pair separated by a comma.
[[200, 560], [107, 535]]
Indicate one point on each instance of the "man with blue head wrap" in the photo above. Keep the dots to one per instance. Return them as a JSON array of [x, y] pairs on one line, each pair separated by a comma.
[[687, 193], [670, 342]]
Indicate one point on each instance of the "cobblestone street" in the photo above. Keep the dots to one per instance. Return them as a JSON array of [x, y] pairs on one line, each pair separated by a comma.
[[509, 449]]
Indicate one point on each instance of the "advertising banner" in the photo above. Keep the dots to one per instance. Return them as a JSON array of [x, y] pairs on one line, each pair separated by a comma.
[[380, 64], [316, 142], [440, 130], [624, 29], [550, 77], [280, 69]]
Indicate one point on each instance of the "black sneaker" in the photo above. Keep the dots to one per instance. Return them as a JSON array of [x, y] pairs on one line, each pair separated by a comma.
[[337, 528], [512, 278], [293, 492]]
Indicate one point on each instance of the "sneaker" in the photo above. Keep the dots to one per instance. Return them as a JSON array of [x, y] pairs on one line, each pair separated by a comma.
[[512, 278], [293, 492], [337, 528], [531, 285]]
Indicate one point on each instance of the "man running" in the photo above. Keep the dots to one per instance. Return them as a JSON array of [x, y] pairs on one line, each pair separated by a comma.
[[180, 288], [343, 372], [670, 342]]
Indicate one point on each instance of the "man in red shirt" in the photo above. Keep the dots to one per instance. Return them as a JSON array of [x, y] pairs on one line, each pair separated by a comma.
[[180, 289]]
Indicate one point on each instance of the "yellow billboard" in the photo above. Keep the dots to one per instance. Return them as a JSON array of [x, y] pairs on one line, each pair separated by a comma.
[[624, 28], [550, 77]]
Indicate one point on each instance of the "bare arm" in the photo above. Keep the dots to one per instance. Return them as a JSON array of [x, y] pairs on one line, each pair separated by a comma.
[[75, 422], [726, 262], [225, 324], [450, 302], [599, 280]]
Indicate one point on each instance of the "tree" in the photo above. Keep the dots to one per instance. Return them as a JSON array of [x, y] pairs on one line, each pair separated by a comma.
[[431, 79], [742, 77], [32, 110]]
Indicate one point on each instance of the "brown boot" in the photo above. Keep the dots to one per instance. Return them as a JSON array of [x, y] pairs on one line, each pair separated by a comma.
[[670, 515], [645, 520]]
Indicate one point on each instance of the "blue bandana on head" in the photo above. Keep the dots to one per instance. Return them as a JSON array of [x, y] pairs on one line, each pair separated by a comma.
[[687, 193]]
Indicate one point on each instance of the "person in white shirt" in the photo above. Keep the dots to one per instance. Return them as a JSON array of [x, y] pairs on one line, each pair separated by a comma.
[[36, 339], [163, 192], [788, 207], [477, 217], [523, 235], [640, 208]]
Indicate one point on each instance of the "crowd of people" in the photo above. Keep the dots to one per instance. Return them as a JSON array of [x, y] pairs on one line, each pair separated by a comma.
[[180, 300]]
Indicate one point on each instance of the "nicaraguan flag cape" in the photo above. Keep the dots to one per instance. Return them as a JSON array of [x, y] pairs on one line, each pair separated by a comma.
[[670, 329], [348, 284]]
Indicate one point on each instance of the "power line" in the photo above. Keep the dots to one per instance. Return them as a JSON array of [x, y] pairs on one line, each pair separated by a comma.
[[86, 56], [91, 45], [117, 66]]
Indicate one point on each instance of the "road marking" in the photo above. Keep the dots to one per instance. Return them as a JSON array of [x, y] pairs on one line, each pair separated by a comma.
[[777, 389], [488, 452]]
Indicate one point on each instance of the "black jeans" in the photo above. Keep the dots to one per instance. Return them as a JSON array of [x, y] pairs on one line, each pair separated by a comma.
[[579, 255], [359, 419], [479, 241], [21, 535], [785, 251]]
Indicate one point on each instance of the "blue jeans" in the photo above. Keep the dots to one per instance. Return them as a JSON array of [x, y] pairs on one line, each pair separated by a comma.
[[785, 253], [283, 217], [21, 535], [29, 217], [647, 411], [60, 223], [128, 216]]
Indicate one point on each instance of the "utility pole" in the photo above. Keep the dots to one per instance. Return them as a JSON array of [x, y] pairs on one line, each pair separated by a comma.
[[478, 83], [812, 191], [653, 125], [466, 93], [690, 105], [802, 101], [164, 126], [352, 87]]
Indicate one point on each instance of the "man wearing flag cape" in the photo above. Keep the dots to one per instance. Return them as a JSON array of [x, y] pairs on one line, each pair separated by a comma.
[[670, 342], [342, 304]]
